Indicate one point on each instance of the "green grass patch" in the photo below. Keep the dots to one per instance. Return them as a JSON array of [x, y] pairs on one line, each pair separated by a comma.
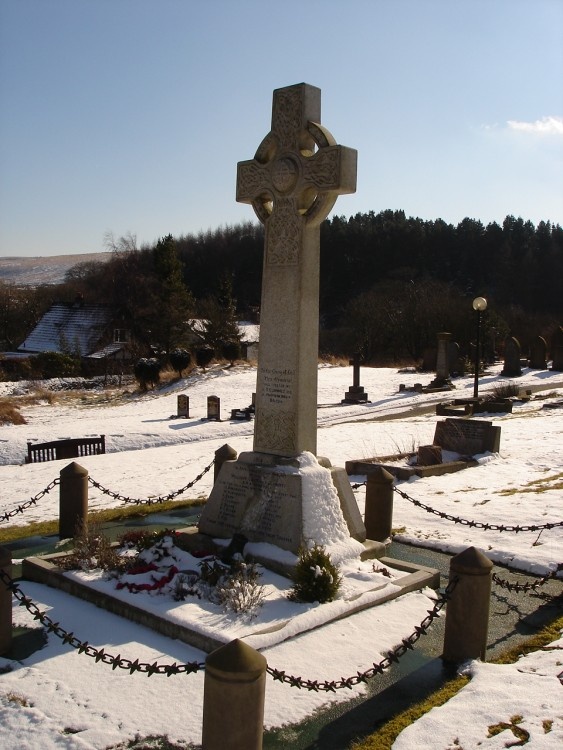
[[537, 485], [386, 735], [47, 528]]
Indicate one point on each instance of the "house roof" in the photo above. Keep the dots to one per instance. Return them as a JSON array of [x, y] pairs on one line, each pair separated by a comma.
[[108, 351], [76, 328]]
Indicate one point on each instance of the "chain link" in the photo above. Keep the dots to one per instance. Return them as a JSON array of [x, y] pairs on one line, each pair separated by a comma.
[[528, 586], [32, 501], [476, 524], [115, 495], [393, 656], [99, 654], [150, 501]]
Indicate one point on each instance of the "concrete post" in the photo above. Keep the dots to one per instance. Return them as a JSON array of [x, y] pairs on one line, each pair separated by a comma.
[[222, 454], [467, 611], [233, 698], [73, 499], [379, 505], [5, 602]]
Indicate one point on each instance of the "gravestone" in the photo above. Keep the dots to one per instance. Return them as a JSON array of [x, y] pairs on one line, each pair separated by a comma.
[[455, 362], [292, 183], [556, 345], [214, 408], [538, 354], [467, 436], [183, 406], [429, 357], [429, 455], [442, 380], [355, 394], [512, 353]]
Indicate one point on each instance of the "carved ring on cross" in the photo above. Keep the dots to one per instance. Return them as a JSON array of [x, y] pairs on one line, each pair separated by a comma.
[[288, 175]]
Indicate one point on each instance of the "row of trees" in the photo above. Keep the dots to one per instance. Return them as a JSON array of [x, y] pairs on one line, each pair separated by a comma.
[[388, 284]]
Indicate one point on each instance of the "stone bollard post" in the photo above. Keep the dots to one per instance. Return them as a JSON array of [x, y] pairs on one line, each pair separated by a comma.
[[73, 499], [5, 602], [467, 611], [222, 454], [233, 698], [379, 505]]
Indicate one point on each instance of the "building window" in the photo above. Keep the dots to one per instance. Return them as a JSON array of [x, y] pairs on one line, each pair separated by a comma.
[[120, 336]]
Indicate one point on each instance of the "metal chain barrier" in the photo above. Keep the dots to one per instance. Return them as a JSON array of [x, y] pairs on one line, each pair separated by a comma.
[[100, 655], [83, 647], [33, 501], [150, 501], [476, 524], [358, 485], [393, 656], [525, 587]]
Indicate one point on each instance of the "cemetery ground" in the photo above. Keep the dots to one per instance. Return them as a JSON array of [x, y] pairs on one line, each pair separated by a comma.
[[57, 697]]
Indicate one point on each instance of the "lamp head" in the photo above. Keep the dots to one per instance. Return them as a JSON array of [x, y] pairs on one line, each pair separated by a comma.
[[479, 304]]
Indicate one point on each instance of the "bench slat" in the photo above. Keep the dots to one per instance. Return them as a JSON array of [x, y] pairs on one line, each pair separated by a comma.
[[68, 448]]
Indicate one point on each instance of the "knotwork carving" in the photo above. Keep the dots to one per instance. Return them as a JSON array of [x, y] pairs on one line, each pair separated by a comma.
[[275, 428]]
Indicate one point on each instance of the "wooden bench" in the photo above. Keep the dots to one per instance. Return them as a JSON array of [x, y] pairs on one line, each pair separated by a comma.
[[69, 448]]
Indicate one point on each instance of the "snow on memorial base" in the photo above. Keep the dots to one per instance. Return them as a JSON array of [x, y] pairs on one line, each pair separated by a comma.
[[288, 503]]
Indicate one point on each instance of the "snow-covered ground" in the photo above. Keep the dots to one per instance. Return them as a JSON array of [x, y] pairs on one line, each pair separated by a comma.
[[153, 453]]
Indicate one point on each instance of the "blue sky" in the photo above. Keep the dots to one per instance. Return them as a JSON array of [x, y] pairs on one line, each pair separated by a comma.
[[131, 115]]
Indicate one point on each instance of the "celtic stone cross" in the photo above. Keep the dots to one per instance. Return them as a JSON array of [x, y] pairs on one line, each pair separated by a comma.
[[292, 183]]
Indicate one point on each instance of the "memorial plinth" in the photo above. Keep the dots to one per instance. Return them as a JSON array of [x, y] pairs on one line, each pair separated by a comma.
[[284, 503]]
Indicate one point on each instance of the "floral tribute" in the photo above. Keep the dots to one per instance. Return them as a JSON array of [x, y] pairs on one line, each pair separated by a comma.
[[157, 565]]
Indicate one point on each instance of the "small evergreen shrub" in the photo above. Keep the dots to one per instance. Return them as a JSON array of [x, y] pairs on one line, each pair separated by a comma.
[[315, 577], [204, 356], [147, 372], [231, 350], [180, 359]]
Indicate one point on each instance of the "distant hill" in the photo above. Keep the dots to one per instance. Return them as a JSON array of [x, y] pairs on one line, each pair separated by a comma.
[[44, 270]]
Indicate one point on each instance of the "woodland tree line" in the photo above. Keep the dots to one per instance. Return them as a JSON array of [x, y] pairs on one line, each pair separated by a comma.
[[389, 284]]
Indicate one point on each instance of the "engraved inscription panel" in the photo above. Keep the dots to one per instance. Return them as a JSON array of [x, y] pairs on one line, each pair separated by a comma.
[[277, 385], [467, 436], [260, 502]]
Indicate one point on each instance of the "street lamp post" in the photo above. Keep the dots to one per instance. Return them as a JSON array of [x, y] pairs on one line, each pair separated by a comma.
[[479, 305]]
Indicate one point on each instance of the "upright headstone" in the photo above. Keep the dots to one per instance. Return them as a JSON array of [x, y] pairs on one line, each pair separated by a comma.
[[442, 380], [429, 357], [556, 346], [467, 436], [214, 408], [455, 363], [355, 394], [538, 354], [292, 183], [183, 405], [512, 353]]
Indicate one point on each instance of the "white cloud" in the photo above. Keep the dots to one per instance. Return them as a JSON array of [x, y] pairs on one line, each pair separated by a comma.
[[545, 126]]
